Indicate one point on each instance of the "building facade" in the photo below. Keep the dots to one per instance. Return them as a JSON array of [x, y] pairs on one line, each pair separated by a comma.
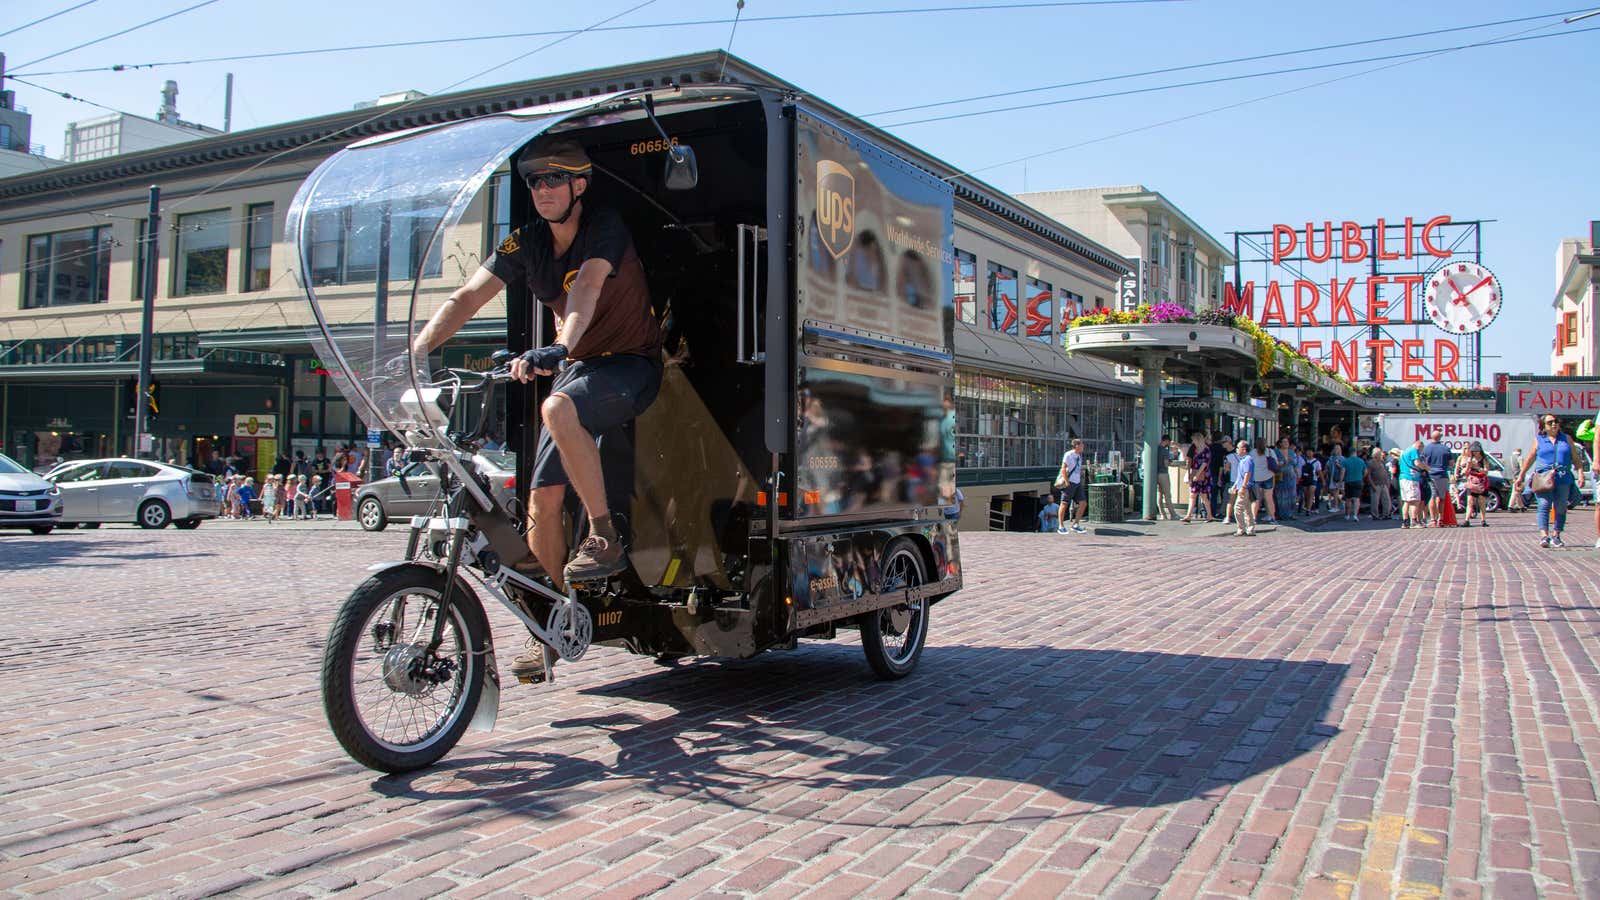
[[1576, 346], [235, 373], [1179, 262]]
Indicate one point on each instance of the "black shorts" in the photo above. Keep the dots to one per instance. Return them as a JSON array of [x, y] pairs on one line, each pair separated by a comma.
[[608, 391], [1075, 492]]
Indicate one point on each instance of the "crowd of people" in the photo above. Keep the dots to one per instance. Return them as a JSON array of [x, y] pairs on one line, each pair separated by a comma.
[[1240, 484], [297, 488]]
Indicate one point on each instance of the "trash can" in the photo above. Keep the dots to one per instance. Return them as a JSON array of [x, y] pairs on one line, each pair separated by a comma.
[[1105, 502]]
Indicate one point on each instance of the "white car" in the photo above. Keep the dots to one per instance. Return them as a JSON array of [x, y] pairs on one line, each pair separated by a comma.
[[148, 494], [26, 500]]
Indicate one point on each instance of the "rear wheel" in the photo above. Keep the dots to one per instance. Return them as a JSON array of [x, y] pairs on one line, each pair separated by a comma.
[[893, 637], [89, 525], [154, 514], [394, 706], [187, 524], [371, 515], [42, 529]]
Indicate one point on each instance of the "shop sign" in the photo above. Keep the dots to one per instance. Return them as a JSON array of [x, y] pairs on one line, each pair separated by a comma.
[[61, 422], [1128, 292], [262, 425], [1199, 403], [1563, 398], [1450, 290]]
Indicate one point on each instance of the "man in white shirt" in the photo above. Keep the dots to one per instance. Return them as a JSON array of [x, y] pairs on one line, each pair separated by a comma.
[[1074, 492]]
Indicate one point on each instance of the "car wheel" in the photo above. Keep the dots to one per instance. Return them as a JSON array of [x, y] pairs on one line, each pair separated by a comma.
[[187, 524], [1491, 502], [88, 525], [42, 529], [154, 514], [371, 515]]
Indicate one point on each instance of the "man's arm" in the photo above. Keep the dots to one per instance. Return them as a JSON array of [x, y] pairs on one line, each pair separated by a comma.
[[459, 309], [581, 300]]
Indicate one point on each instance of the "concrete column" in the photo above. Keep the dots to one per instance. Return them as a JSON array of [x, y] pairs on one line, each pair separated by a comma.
[[1151, 364], [1316, 428]]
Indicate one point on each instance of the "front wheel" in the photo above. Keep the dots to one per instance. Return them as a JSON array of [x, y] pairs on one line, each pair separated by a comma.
[[42, 529], [187, 524], [371, 515], [154, 514], [393, 705], [893, 637]]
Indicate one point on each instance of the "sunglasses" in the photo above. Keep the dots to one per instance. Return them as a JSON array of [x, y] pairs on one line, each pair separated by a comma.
[[547, 180]]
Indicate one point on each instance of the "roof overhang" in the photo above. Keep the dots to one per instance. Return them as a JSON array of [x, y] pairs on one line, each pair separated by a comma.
[[160, 369], [1574, 276]]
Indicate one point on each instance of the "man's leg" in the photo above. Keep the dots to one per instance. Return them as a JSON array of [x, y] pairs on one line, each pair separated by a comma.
[[581, 459], [548, 539]]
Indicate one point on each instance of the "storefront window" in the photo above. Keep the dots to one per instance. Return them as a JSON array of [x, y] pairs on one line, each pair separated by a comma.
[[68, 268], [201, 254], [966, 287], [258, 248], [1002, 299], [1040, 303], [1071, 307], [1009, 423]]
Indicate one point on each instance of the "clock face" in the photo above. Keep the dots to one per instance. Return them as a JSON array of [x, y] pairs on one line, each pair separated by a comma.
[[1462, 297]]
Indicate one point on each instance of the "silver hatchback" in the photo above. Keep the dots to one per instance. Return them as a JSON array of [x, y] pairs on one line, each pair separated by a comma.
[[26, 500], [147, 494]]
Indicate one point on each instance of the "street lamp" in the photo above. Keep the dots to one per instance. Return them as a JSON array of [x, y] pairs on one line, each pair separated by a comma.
[[1579, 18]]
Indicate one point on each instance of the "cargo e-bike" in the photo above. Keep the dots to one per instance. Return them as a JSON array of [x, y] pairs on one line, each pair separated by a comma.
[[793, 475]]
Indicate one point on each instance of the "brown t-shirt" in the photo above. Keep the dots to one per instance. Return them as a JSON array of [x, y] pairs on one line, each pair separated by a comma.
[[623, 321]]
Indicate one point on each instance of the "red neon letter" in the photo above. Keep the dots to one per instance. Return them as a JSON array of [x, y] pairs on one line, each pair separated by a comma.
[[1345, 358], [1272, 306], [1443, 370], [1410, 283], [1279, 248], [1311, 350], [1427, 241], [1352, 238], [1377, 307], [1380, 357], [1305, 312], [1240, 305], [1340, 299], [1411, 360], [1327, 243], [1382, 234]]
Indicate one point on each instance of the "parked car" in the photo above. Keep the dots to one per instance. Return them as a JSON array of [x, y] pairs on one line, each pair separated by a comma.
[[148, 494], [26, 500], [413, 491]]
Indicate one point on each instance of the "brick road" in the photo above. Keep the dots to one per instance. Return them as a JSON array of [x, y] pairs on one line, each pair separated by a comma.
[[1351, 711]]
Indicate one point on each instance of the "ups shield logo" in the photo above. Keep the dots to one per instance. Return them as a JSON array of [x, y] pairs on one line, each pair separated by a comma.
[[836, 207]]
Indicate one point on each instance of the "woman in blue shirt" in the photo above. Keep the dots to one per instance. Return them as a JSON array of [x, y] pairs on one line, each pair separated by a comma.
[[1551, 452]]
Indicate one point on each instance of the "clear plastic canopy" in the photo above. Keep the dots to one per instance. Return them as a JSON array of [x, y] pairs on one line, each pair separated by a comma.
[[369, 227]]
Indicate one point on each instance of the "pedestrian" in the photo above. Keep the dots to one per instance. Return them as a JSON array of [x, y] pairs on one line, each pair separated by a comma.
[[1310, 477], [1164, 458], [1263, 486], [282, 466], [302, 499], [1333, 477], [245, 496], [1075, 493], [1356, 480], [1473, 468], [1243, 491], [1230, 461], [230, 496], [1288, 477], [1516, 502], [318, 495], [1550, 458], [1050, 515], [1594, 473], [395, 462], [1412, 472], [1437, 456], [1199, 477], [1381, 479], [1219, 464], [269, 499]]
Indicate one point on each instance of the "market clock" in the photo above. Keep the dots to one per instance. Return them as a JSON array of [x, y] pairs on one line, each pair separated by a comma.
[[1462, 297]]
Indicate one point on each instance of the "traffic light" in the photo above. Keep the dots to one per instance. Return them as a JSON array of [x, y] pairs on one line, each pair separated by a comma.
[[152, 399]]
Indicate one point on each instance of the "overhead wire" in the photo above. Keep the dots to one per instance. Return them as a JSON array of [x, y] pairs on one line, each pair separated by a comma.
[[45, 18], [1220, 62], [1222, 79], [501, 36], [145, 24], [1246, 102]]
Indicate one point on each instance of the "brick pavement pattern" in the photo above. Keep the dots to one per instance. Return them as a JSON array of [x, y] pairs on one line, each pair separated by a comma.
[[1334, 713]]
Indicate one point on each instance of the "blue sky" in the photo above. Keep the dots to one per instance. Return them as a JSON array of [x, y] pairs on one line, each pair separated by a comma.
[[1504, 133]]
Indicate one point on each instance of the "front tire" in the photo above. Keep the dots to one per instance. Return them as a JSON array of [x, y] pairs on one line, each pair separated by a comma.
[[154, 514], [371, 515], [187, 524], [393, 707], [893, 637], [41, 529]]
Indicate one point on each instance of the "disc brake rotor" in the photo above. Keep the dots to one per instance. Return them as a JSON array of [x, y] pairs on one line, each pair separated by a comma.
[[402, 670]]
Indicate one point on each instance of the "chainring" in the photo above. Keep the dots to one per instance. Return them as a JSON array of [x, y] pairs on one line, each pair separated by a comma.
[[573, 629]]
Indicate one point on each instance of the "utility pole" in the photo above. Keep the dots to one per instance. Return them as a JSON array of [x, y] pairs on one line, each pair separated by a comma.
[[152, 256]]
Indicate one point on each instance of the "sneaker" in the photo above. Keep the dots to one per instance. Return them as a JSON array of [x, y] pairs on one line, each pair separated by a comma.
[[1557, 542], [1061, 529], [1079, 529], [597, 558], [1250, 532], [528, 667], [1238, 532], [1544, 542]]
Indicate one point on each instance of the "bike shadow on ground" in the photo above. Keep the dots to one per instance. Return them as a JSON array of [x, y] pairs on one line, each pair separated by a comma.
[[48, 550], [1108, 728]]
